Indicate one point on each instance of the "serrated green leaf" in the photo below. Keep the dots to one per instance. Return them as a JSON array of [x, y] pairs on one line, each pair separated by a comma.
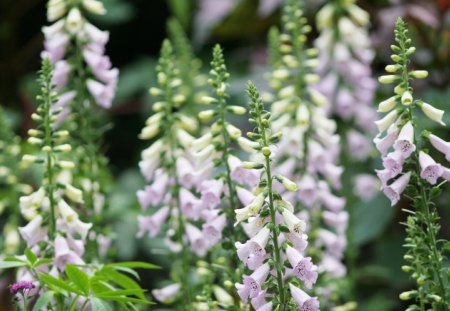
[[43, 301], [134, 265], [124, 299], [11, 264], [122, 292], [31, 256], [59, 285], [79, 278], [111, 275]]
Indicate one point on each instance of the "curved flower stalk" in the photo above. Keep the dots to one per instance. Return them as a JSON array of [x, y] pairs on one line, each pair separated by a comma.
[[189, 65], [409, 168], [85, 79], [222, 191], [11, 187], [275, 252], [172, 174], [55, 235], [308, 151]]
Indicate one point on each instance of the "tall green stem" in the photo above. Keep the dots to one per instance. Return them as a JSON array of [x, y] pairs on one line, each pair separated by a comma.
[[50, 159], [278, 263]]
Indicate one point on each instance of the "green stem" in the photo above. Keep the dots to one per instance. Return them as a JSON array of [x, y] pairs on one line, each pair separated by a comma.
[[176, 194], [278, 263], [48, 141]]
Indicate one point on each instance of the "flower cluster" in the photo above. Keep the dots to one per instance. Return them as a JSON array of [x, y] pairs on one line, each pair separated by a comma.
[[11, 186], [71, 43], [309, 148], [275, 233], [54, 227], [396, 140], [408, 167], [50, 216], [345, 57], [169, 168]]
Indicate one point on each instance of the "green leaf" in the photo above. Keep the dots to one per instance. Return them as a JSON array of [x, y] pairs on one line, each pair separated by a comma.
[[30, 256], [134, 265], [111, 275], [124, 299], [123, 292], [43, 301], [99, 305], [11, 264], [79, 278], [58, 285]]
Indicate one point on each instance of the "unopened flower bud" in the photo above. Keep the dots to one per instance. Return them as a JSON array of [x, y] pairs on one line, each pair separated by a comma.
[[179, 99], [433, 113], [34, 140], [63, 148], [252, 165], [68, 165], [312, 78], [392, 68], [408, 295], [233, 131], [237, 110], [155, 91], [74, 21], [407, 98], [94, 6], [410, 51], [387, 79], [419, 74], [208, 100], [266, 151], [206, 115], [387, 105], [29, 159]]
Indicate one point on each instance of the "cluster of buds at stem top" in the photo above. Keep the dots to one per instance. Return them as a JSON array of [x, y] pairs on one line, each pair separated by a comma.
[[76, 48], [345, 68], [273, 230], [308, 148], [396, 140], [52, 221]]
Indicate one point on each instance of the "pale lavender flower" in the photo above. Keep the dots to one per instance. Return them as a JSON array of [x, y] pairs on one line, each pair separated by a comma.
[[33, 232], [394, 162], [394, 190], [303, 300], [153, 194], [383, 144], [307, 190], [366, 186], [253, 252], [64, 254], [253, 283], [199, 244], [302, 267], [190, 204], [441, 145], [405, 141], [211, 191], [152, 224], [359, 145], [430, 170], [168, 293], [213, 230]]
